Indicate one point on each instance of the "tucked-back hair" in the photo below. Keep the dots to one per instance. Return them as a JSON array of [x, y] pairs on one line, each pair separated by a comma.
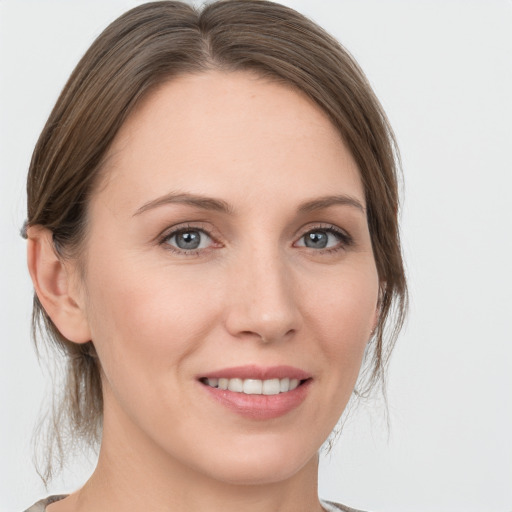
[[147, 46]]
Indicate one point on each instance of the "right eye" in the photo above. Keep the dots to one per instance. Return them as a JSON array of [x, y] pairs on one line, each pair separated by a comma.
[[184, 240]]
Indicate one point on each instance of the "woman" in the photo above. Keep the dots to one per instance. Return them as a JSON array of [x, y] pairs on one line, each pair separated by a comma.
[[213, 242]]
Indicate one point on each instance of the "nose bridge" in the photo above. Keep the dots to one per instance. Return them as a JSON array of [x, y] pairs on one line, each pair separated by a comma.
[[262, 296]]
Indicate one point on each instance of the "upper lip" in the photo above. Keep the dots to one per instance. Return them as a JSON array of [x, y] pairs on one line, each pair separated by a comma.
[[257, 372]]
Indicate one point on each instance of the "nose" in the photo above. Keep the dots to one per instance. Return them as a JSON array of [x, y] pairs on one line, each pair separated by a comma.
[[262, 298]]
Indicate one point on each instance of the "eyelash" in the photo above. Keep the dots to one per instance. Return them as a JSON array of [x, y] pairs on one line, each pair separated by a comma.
[[345, 240], [164, 240]]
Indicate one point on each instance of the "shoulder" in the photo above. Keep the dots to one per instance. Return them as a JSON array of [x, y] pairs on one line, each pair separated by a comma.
[[41, 505], [330, 506]]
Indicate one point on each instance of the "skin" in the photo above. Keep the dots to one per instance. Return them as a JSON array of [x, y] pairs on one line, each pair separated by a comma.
[[253, 293]]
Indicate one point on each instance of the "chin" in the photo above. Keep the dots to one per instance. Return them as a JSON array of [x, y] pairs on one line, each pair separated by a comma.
[[261, 463]]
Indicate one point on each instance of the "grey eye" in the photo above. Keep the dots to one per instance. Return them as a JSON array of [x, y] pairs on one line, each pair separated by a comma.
[[322, 239], [189, 240], [316, 239]]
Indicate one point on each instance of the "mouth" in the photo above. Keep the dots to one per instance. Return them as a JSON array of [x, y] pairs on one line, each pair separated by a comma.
[[254, 386], [256, 392]]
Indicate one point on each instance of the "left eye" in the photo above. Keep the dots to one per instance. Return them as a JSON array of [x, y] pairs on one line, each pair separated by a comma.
[[320, 239], [189, 239]]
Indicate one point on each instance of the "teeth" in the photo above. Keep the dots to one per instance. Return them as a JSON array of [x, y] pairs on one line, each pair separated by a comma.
[[294, 383], [271, 387], [252, 386], [236, 385], [255, 386]]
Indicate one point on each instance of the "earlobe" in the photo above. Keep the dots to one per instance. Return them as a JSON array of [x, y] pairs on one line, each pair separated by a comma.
[[54, 287]]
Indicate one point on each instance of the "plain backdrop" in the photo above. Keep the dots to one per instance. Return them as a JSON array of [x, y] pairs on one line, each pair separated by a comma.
[[443, 71]]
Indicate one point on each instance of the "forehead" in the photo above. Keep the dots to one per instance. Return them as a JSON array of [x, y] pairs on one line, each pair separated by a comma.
[[229, 134]]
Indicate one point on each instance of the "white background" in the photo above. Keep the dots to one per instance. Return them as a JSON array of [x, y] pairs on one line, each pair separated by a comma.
[[443, 71]]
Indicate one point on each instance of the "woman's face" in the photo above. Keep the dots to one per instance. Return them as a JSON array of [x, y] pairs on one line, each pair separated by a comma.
[[228, 246]]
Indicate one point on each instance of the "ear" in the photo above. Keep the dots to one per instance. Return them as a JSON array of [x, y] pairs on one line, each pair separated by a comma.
[[55, 287]]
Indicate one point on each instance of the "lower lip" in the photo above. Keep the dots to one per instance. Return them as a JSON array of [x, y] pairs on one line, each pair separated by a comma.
[[260, 407]]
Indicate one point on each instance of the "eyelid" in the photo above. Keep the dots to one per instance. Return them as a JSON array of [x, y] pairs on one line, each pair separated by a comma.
[[172, 231], [344, 237]]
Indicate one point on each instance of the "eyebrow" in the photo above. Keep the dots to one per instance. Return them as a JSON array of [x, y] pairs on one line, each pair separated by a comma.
[[327, 201], [204, 203], [212, 204]]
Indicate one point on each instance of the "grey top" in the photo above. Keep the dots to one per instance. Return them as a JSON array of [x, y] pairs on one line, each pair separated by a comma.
[[40, 506]]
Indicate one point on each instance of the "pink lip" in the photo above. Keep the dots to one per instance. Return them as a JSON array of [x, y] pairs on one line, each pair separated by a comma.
[[259, 407], [257, 372]]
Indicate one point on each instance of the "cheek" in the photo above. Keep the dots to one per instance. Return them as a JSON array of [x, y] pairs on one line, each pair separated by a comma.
[[142, 320], [343, 315]]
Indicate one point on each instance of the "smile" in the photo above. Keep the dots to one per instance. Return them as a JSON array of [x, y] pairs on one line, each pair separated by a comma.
[[254, 386], [256, 392]]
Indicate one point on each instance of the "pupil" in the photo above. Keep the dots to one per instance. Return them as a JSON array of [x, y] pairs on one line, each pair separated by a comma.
[[317, 240], [188, 240]]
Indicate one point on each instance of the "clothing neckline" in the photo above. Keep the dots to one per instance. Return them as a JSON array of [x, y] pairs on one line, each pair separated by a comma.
[[41, 505]]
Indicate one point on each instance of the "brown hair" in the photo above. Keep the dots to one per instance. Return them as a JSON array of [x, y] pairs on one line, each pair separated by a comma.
[[149, 45]]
